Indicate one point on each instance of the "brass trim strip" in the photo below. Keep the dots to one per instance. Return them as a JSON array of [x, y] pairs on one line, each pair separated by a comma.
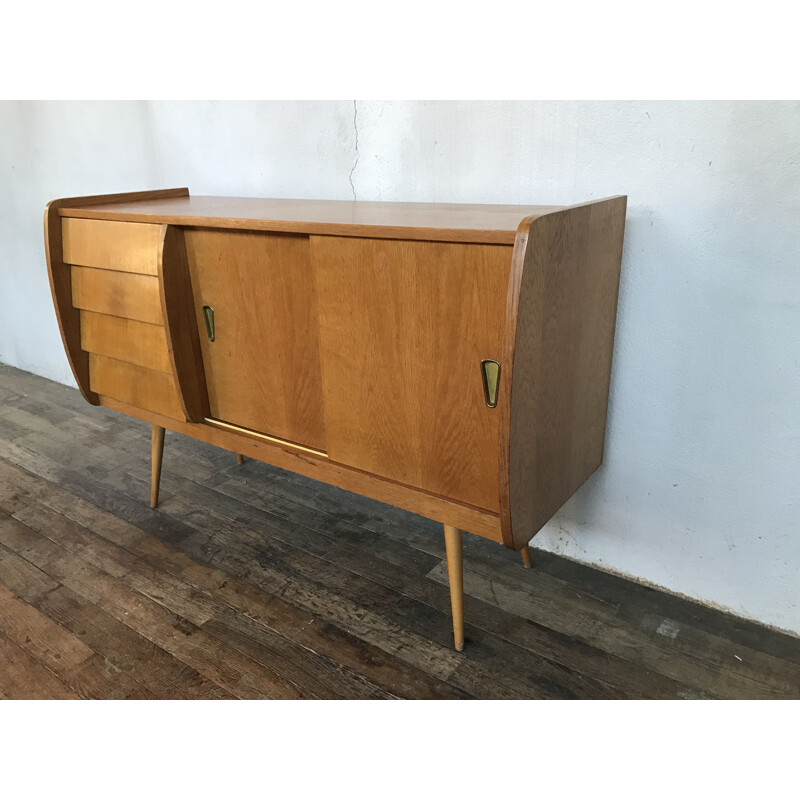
[[271, 439]]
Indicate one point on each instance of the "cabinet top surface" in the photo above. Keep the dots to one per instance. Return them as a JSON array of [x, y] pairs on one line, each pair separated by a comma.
[[491, 224]]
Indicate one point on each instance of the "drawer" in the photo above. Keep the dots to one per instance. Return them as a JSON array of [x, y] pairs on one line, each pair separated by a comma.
[[121, 246], [140, 387], [137, 343], [119, 294]]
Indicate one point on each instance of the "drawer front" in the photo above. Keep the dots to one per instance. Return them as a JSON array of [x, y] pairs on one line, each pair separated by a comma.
[[118, 294], [137, 343], [404, 327], [115, 286], [121, 246], [143, 388]]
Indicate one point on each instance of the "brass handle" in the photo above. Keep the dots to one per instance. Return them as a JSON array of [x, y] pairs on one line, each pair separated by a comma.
[[490, 372], [208, 317]]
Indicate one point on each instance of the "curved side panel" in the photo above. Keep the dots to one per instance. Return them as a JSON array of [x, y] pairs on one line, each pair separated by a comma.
[[561, 316], [69, 317], [180, 322], [506, 374]]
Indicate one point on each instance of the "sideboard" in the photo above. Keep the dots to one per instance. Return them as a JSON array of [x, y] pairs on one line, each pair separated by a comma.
[[450, 360]]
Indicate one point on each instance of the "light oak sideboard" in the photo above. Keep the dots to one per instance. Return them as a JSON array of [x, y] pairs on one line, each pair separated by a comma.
[[451, 360]]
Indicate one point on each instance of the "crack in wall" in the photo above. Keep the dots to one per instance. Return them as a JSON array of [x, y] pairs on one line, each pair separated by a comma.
[[355, 162]]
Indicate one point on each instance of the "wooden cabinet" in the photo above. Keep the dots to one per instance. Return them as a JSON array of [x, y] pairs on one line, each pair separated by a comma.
[[450, 360]]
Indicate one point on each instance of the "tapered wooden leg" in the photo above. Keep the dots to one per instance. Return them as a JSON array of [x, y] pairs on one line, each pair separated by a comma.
[[526, 557], [455, 571], [239, 459], [156, 452]]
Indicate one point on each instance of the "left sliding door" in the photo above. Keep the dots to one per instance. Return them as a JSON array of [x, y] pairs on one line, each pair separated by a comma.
[[256, 311]]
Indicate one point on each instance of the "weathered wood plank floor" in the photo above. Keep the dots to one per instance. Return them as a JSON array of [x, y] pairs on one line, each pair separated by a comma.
[[250, 582]]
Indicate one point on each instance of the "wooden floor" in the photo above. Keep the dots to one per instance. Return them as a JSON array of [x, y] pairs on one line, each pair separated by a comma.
[[252, 582]]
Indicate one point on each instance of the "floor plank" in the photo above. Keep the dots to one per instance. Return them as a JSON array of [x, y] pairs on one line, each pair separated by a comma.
[[227, 667], [303, 627], [126, 652], [22, 677], [44, 639]]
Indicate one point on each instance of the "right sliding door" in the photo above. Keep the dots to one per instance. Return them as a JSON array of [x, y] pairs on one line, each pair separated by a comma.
[[404, 327]]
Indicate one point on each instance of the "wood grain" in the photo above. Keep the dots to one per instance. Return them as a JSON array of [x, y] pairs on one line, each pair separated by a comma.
[[121, 246], [22, 677], [40, 636], [130, 656], [562, 304], [404, 327], [444, 222], [183, 339], [138, 343], [234, 672], [263, 369], [144, 388], [119, 294], [151, 665]]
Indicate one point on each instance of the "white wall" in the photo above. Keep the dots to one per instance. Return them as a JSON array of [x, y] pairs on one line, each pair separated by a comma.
[[699, 491]]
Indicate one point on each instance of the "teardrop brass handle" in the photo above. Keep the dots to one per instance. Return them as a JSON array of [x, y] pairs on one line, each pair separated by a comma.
[[208, 317], [490, 372]]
